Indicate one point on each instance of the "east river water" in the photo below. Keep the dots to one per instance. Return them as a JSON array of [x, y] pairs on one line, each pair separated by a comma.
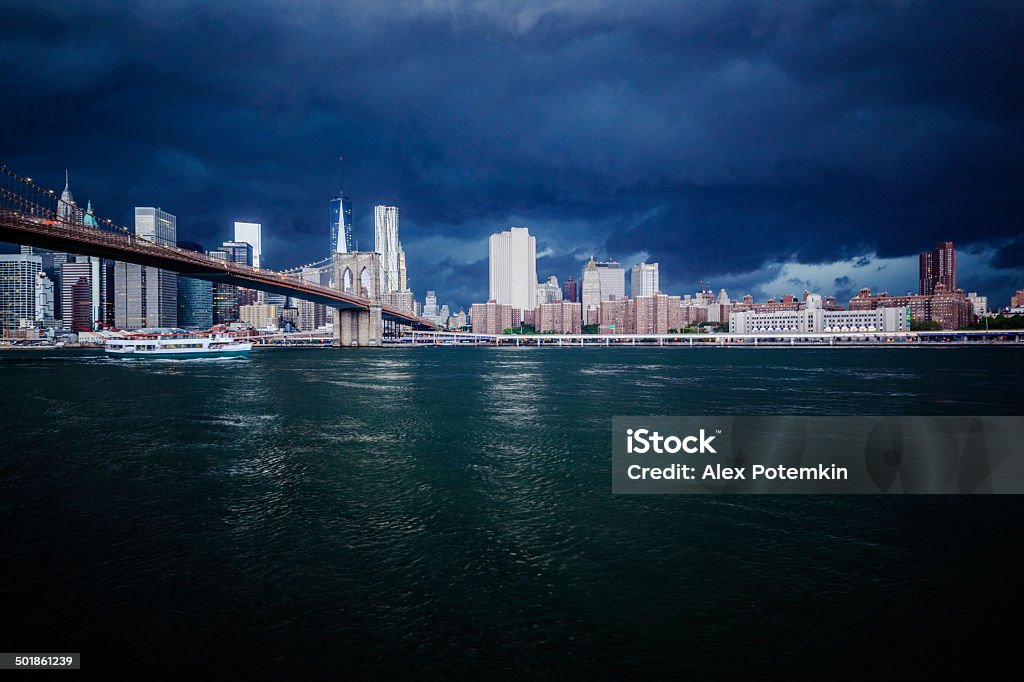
[[447, 512]]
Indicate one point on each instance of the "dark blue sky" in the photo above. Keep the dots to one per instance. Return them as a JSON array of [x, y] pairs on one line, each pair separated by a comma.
[[762, 147]]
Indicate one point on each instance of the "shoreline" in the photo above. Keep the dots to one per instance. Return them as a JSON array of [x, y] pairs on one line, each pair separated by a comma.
[[618, 346]]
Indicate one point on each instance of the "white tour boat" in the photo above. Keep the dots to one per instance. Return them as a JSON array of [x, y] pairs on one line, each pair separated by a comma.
[[176, 343]]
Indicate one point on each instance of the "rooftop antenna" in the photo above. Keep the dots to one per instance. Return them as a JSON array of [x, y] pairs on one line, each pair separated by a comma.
[[341, 174]]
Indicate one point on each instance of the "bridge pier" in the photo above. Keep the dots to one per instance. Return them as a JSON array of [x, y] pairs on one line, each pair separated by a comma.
[[358, 327]]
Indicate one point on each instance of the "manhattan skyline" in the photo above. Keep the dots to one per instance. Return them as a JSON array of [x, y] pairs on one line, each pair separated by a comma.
[[719, 142]]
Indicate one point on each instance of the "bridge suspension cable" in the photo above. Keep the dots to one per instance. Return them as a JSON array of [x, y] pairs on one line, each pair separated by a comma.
[[321, 265]]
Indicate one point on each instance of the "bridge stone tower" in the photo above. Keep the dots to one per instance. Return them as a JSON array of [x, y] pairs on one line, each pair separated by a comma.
[[358, 273]]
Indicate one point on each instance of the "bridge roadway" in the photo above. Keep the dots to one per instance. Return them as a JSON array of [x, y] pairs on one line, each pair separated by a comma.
[[18, 227]]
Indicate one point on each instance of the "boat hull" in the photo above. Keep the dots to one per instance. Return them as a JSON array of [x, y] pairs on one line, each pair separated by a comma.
[[180, 355]]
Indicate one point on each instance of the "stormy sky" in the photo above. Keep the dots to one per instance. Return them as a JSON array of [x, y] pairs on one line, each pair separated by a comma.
[[766, 148]]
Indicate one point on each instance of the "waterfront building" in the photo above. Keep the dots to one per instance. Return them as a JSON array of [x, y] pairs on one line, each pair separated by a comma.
[[562, 317], [289, 318], [145, 296], [613, 280], [617, 316], [1017, 300], [80, 305], [310, 316], [935, 267], [549, 291], [385, 242], [692, 314], [657, 314], [513, 268], [493, 317], [102, 294], [458, 320], [590, 292], [951, 309], [260, 315], [195, 303], [569, 292], [51, 264], [313, 315], [19, 274], [788, 303], [44, 300], [979, 304], [195, 297], [241, 252], [643, 280], [225, 296], [251, 234], [814, 319], [76, 295]]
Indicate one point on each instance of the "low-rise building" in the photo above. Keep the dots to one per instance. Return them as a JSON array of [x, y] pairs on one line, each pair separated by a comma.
[[260, 315], [951, 309], [814, 319]]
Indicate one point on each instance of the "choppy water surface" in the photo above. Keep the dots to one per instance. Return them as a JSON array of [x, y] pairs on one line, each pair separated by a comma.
[[448, 511]]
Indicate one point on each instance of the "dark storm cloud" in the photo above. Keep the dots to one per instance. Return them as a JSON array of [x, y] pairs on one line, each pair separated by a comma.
[[720, 139]]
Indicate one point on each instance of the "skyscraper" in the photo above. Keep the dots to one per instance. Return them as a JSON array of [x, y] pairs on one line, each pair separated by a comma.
[[341, 224], [44, 300], [195, 297], [590, 292], [312, 315], [548, 291], [67, 212], [385, 242], [513, 268], [569, 291], [613, 280], [18, 276], [147, 296], [937, 266], [225, 296], [644, 280], [403, 282], [101, 295], [430, 305], [76, 295], [252, 234], [239, 252]]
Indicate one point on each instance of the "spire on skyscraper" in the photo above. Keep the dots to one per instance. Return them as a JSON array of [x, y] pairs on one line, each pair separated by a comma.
[[341, 217], [90, 218], [66, 205]]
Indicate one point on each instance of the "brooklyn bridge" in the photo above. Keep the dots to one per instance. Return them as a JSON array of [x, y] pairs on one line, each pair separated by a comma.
[[29, 216]]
